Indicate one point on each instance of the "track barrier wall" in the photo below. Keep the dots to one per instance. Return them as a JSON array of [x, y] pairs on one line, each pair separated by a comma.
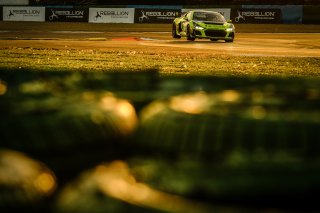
[[291, 14], [14, 2], [256, 16], [311, 14], [24, 14], [151, 15], [251, 14], [67, 14], [111, 15]]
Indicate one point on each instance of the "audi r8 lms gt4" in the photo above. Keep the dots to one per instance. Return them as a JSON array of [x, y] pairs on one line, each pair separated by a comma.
[[203, 24]]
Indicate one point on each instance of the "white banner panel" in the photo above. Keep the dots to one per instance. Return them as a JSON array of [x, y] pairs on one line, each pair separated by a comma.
[[14, 2], [24, 14], [224, 11], [111, 15]]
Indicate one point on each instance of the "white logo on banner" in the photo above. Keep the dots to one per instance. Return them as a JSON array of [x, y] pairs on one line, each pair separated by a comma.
[[53, 15], [143, 16], [66, 13], [111, 15], [240, 16]]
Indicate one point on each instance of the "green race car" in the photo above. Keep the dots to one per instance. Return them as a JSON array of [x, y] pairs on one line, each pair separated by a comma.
[[203, 24]]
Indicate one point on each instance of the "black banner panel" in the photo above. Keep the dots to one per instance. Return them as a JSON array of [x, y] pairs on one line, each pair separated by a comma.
[[145, 15], [311, 14], [256, 16], [67, 14], [63, 2]]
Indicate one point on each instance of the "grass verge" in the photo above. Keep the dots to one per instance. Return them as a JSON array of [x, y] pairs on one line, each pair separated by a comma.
[[167, 63]]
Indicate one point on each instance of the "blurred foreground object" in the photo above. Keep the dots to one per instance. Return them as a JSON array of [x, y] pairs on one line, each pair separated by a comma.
[[113, 187], [25, 184], [70, 121], [136, 86], [268, 116], [183, 186], [251, 144]]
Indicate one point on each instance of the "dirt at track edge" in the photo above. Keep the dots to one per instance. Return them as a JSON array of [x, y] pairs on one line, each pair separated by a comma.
[[56, 26]]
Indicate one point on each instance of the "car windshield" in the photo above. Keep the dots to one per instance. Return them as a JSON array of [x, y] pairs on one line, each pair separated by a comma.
[[207, 16]]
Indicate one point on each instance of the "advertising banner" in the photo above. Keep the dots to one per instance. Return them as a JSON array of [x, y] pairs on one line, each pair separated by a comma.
[[290, 14], [223, 11], [156, 15], [111, 15], [24, 14], [67, 14], [256, 16]]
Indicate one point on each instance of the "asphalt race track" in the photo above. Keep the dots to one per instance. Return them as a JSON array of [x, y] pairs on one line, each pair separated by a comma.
[[283, 44]]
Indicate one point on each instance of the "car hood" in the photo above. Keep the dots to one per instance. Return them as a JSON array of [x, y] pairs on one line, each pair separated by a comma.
[[212, 25], [203, 23]]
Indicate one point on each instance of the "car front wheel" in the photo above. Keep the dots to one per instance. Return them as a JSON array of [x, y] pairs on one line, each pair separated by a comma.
[[190, 36], [174, 32], [230, 39]]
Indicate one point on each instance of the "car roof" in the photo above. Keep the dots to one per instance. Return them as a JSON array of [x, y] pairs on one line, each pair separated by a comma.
[[204, 11]]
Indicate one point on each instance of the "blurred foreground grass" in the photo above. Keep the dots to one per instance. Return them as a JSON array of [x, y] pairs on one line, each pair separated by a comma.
[[168, 64], [193, 143]]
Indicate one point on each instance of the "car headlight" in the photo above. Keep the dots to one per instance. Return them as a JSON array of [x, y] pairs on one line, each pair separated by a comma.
[[197, 27], [230, 29]]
